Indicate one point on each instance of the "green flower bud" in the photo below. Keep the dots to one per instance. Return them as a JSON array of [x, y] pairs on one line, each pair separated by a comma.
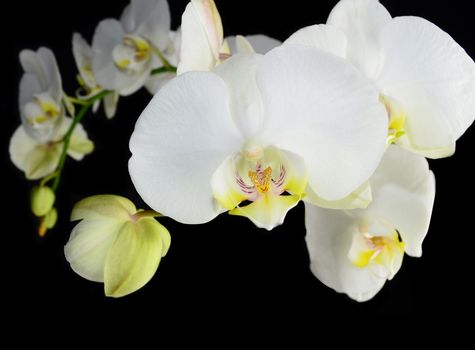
[[42, 200]]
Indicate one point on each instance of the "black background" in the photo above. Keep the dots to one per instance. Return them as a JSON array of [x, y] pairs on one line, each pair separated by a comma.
[[227, 267]]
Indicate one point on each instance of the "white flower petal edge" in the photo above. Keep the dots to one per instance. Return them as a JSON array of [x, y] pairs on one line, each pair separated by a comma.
[[361, 21], [355, 252], [258, 43]]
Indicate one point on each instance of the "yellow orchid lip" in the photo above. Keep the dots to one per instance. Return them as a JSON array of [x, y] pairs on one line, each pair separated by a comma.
[[260, 180], [132, 54], [368, 250], [397, 118]]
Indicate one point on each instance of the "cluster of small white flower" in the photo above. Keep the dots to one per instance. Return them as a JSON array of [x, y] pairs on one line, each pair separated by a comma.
[[340, 115]]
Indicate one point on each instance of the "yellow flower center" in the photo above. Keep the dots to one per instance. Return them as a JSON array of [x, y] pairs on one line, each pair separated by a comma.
[[132, 55], [397, 118], [261, 179]]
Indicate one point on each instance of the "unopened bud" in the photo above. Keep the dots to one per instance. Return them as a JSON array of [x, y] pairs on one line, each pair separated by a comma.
[[42, 200]]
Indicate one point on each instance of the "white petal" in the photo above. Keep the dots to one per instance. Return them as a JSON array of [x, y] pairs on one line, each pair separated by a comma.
[[156, 82], [242, 45], [196, 52], [432, 77], [89, 245], [179, 141], [360, 198], [42, 64], [403, 193], [239, 74], [262, 43], [329, 238], [325, 37], [80, 145], [319, 107], [21, 144], [151, 19], [361, 21], [110, 104], [82, 53]]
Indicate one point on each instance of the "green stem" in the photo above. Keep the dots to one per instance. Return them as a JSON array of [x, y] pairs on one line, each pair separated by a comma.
[[67, 138], [163, 69]]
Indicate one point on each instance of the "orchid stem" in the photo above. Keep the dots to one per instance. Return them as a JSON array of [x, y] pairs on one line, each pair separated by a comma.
[[67, 138]]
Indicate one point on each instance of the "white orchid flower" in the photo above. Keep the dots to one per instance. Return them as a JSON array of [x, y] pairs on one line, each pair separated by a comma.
[[355, 252], [39, 159], [261, 129], [116, 244], [172, 54], [426, 80], [83, 57], [41, 94], [126, 51]]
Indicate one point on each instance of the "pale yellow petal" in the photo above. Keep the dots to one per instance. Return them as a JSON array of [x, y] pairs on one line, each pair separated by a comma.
[[133, 257], [103, 206], [268, 211]]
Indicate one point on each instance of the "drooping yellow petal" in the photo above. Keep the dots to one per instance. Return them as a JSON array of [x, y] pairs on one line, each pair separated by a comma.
[[268, 211], [134, 257], [103, 206]]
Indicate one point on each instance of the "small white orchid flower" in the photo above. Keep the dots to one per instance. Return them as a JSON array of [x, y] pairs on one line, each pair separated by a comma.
[[41, 94], [257, 129], [126, 51], [355, 252], [172, 54], [426, 80], [116, 244], [39, 159], [83, 57]]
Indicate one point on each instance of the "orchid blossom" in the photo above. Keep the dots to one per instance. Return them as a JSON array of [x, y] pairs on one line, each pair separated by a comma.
[[83, 56], [36, 145], [257, 129], [425, 79], [116, 244], [356, 251], [125, 52]]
